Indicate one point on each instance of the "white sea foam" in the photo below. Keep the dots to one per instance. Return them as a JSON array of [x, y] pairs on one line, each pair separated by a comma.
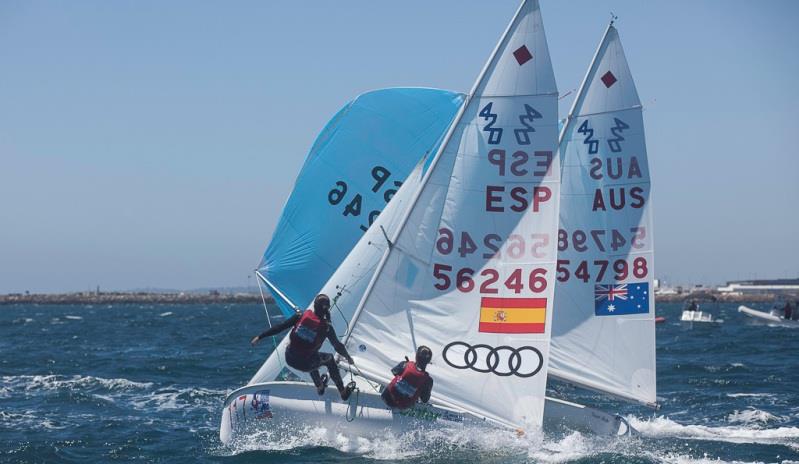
[[179, 398], [461, 444], [751, 416], [448, 444], [168, 313], [55, 382], [661, 427], [457, 443], [753, 395], [677, 458], [74, 318], [32, 420]]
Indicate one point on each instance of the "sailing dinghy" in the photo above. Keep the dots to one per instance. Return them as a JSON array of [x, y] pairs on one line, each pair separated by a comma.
[[443, 265]]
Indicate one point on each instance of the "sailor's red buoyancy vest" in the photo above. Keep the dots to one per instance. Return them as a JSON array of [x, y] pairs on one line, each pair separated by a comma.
[[308, 334], [406, 387]]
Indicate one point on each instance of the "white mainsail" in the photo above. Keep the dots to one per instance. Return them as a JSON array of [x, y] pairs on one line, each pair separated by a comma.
[[603, 334], [471, 272]]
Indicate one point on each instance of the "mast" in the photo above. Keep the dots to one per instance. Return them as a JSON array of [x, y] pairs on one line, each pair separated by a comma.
[[504, 312], [431, 168]]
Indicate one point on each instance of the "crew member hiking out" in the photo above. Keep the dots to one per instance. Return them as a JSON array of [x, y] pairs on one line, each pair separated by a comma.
[[308, 333], [411, 382]]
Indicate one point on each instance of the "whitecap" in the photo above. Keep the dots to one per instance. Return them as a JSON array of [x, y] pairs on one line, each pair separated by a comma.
[[752, 415], [751, 395], [676, 458], [662, 427], [168, 313], [451, 443], [179, 398], [55, 382], [31, 420], [74, 318]]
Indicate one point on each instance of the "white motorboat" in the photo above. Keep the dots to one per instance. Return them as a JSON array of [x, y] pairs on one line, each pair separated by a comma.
[[774, 316], [696, 316]]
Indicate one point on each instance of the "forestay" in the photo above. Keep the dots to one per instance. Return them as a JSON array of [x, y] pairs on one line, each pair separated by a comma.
[[356, 164], [603, 334], [471, 270]]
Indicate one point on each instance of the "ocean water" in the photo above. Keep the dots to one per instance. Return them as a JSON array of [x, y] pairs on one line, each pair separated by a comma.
[[146, 383]]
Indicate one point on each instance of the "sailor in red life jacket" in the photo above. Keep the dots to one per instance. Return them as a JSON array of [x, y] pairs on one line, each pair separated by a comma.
[[411, 382], [308, 333]]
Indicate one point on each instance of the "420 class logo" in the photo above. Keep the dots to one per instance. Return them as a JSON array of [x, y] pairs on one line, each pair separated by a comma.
[[504, 361]]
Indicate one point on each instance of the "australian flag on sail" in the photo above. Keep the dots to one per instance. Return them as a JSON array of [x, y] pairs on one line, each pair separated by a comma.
[[616, 300]]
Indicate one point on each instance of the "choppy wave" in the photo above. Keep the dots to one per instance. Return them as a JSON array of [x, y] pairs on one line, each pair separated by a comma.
[[662, 427], [450, 444], [55, 382], [31, 420], [481, 445], [751, 395], [753, 416], [157, 396], [173, 398]]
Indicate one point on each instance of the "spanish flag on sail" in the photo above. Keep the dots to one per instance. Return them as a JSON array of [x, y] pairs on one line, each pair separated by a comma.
[[513, 315]]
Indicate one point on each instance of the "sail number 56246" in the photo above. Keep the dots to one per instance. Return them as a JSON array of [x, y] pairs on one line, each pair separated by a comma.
[[488, 281]]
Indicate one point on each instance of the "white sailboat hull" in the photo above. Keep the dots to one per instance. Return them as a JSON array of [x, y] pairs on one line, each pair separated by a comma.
[[696, 316], [283, 407], [767, 317]]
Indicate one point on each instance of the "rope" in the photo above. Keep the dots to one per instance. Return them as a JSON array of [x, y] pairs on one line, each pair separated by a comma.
[[351, 408], [343, 287], [268, 320], [335, 305], [363, 377]]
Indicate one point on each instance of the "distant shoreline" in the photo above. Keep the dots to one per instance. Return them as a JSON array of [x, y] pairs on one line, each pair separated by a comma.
[[218, 297], [130, 297]]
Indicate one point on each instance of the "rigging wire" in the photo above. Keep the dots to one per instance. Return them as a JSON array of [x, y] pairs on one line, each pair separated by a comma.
[[268, 319], [341, 289]]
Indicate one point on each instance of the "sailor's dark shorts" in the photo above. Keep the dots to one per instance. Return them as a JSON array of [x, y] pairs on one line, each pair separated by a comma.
[[309, 363]]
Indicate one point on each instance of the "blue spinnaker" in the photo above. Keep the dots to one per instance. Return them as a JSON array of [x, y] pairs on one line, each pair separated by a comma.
[[355, 166]]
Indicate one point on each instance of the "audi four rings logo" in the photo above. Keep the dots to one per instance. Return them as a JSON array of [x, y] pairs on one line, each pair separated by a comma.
[[525, 361]]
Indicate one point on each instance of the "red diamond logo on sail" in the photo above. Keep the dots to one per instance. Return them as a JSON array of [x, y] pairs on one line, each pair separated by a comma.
[[522, 55], [608, 79]]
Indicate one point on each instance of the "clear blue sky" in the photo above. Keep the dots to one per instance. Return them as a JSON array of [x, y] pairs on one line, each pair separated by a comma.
[[152, 144]]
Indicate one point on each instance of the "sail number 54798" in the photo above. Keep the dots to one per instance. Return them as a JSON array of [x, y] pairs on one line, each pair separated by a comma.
[[488, 281]]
